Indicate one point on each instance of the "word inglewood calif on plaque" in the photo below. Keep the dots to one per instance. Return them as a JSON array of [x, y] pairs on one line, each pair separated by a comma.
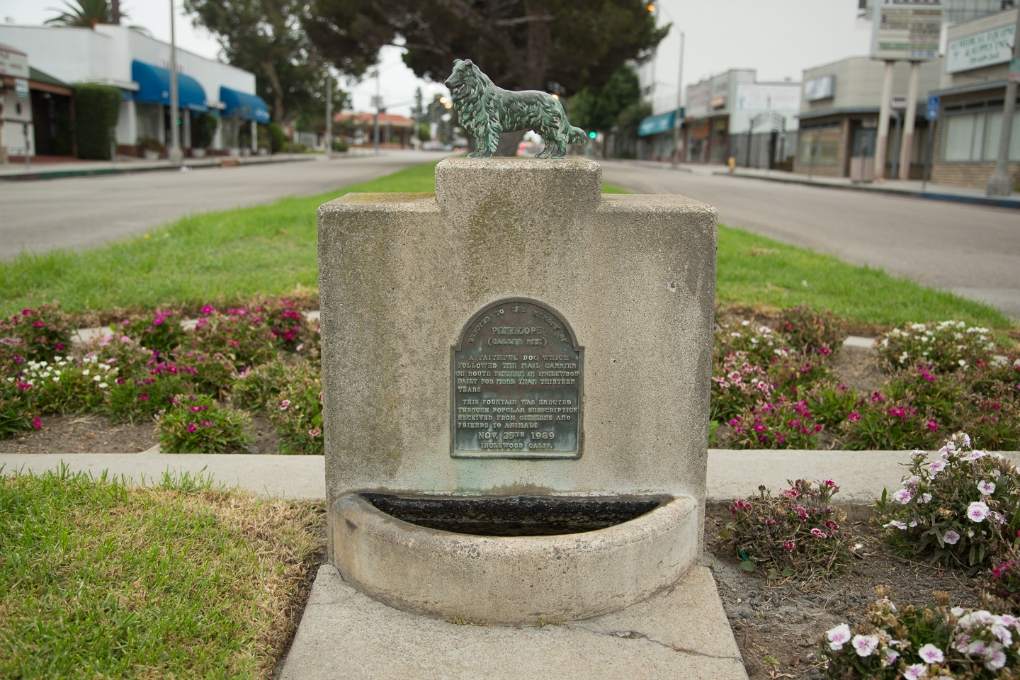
[[517, 380]]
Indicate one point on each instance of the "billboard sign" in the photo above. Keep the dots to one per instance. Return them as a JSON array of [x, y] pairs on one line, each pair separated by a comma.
[[757, 97], [698, 96], [981, 49], [906, 29], [13, 63], [820, 88]]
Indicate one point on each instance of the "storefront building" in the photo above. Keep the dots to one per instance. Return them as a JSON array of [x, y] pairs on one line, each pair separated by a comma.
[[139, 66], [839, 115], [971, 103], [655, 137], [35, 110], [395, 131]]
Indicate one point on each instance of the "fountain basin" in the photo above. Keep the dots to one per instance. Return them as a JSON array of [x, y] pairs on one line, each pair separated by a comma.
[[513, 559]]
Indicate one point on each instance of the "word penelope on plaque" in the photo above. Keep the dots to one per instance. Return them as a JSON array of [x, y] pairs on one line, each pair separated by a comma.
[[517, 376]]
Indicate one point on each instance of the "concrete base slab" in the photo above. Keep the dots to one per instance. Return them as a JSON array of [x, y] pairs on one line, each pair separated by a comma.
[[679, 633]]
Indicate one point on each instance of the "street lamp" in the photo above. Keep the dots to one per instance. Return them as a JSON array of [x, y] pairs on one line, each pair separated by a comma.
[[176, 155]]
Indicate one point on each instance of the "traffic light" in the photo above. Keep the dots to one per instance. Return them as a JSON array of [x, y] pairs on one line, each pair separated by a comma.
[[592, 134]]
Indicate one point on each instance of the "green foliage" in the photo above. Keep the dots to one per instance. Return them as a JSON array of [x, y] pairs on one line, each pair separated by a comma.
[[259, 388], [197, 424], [277, 138], [203, 129], [297, 413], [96, 111], [945, 346], [66, 385], [35, 333], [423, 132], [160, 331], [778, 424], [811, 332], [960, 508], [16, 414], [84, 14], [600, 110], [934, 641], [800, 532]]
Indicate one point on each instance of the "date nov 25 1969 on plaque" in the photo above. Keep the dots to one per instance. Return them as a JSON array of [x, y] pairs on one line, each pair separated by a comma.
[[518, 384]]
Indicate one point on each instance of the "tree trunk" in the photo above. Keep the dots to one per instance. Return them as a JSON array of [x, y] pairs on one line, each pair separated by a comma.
[[537, 60], [508, 142], [274, 80], [114, 11]]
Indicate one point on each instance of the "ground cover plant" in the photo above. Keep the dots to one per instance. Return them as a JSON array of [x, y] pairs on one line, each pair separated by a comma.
[[101, 579], [220, 258]]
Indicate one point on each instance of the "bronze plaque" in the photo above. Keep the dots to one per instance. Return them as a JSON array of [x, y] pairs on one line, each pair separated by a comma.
[[518, 383]]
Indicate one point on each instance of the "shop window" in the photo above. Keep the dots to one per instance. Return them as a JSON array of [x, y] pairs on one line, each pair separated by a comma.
[[819, 146], [974, 137]]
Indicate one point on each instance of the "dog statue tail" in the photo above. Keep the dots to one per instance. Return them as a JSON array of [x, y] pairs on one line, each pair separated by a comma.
[[576, 135]]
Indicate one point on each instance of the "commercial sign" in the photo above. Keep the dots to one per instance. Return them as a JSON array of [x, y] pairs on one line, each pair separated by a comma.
[[898, 101], [21, 88], [820, 88], [653, 125], [931, 111], [1014, 71], [755, 97], [981, 49], [697, 99], [13, 63], [906, 29], [718, 101]]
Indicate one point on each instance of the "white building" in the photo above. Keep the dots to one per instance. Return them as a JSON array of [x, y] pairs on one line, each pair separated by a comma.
[[139, 66]]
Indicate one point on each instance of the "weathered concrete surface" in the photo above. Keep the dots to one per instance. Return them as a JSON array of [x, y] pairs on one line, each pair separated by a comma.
[[400, 275], [680, 633], [514, 579]]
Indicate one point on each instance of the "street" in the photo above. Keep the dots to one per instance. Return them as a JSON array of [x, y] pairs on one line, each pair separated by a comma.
[[973, 251], [85, 212]]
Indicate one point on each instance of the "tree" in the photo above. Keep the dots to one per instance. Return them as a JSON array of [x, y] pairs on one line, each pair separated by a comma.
[[599, 109], [266, 38], [558, 45], [87, 14]]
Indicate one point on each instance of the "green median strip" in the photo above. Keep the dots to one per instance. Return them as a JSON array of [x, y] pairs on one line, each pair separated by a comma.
[[230, 256]]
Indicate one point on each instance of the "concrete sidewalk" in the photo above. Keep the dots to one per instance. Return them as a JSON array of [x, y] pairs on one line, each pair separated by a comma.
[[861, 475], [19, 172], [913, 188]]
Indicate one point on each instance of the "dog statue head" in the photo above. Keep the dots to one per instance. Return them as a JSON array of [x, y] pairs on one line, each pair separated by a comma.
[[465, 73]]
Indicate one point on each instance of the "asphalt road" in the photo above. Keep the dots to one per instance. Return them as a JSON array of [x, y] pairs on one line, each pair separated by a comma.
[[84, 212], [973, 251]]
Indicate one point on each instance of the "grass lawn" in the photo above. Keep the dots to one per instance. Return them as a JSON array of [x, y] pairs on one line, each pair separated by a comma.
[[99, 579], [233, 255]]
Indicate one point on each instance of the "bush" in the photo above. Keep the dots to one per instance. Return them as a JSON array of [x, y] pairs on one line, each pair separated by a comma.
[[36, 334], [811, 332], [240, 336], [97, 108], [277, 138], [142, 396], [957, 509], [739, 385], [759, 344], [161, 332], [151, 144], [297, 416], [16, 409], [831, 404], [203, 129], [258, 388], [196, 424], [944, 347], [798, 533], [923, 642], [882, 424], [779, 424], [68, 386], [340, 146]]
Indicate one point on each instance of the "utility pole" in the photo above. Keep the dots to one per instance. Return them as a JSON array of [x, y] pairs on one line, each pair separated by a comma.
[[176, 156], [329, 114], [114, 11], [679, 108], [1001, 184], [378, 105]]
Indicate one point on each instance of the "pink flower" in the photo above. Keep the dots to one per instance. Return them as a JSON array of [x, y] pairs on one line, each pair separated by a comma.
[[790, 493], [788, 545], [936, 466], [157, 321], [865, 644], [143, 397], [206, 423], [932, 425], [24, 386], [59, 346], [26, 312], [838, 636], [38, 324], [977, 511], [853, 416], [902, 496], [314, 432], [192, 428], [918, 670], [831, 525], [37, 423], [986, 488], [931, 654], [208, 309], [284, 404], [829, 483], [819, 533]]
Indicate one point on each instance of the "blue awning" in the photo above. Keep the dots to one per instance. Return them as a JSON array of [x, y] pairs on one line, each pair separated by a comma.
[[154, 87], [247, 106], [653, 125]]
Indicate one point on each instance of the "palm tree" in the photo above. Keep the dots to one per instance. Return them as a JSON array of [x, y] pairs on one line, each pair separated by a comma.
[[88, 13]]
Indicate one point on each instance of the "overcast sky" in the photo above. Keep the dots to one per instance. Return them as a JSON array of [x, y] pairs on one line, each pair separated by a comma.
[[779, 38]]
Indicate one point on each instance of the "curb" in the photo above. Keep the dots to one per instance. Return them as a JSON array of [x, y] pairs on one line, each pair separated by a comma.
[[1011, 203], [96, 172]]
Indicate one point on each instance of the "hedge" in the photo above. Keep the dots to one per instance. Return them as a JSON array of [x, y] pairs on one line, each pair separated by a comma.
[[96, 111]]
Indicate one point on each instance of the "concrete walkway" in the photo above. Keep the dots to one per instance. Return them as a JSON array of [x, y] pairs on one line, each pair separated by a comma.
[[124, 165], [731, 474]]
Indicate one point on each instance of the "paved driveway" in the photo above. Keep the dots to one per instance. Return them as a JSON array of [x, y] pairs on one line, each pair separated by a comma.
[[84, 212], [972, 250]]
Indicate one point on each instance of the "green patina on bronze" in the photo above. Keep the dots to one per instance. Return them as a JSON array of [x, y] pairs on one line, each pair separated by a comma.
[[485, 111]]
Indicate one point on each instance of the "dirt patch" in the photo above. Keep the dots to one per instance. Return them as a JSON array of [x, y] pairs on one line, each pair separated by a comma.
[[784, 619], [858, 367], [96, 434], [83, 434]]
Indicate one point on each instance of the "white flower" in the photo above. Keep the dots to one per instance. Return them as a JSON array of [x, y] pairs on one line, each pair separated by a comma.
[[97, 378], [838, 636], [895, 523], [986, 488], [889, 657], [865, 644], [957, 611], [103, 385], [85, 372], [977, 511], [925, 497], [931, 654], [996, 660], [980, 617], [1003, 634], [918, 670], [975, 455], [936, 466], [902, 496], [952, 538]]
